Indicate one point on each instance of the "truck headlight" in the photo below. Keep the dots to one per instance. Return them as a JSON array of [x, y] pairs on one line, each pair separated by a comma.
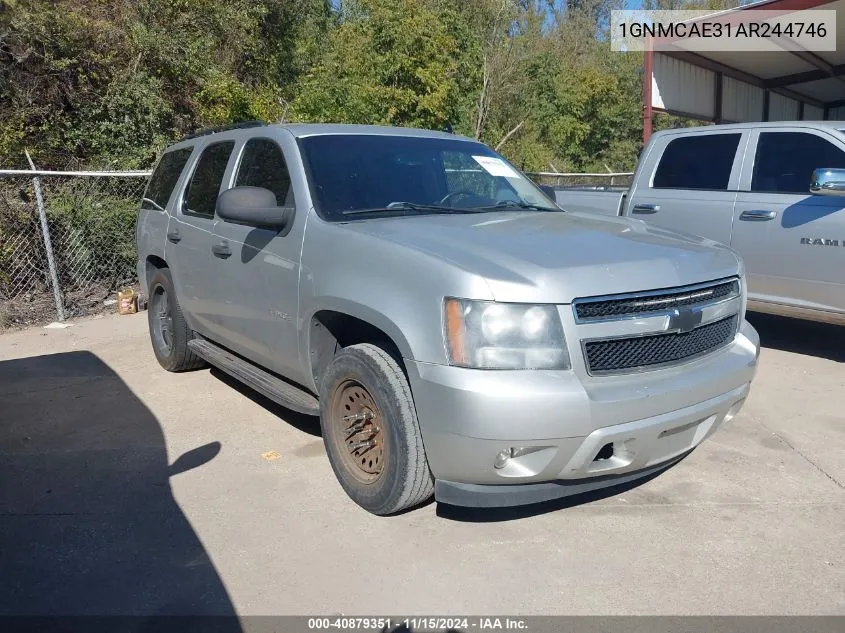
[[491, 335]]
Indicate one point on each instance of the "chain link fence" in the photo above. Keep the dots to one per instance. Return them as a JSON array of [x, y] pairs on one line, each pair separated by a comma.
[[615, 180], [67, 242], [67, 239]]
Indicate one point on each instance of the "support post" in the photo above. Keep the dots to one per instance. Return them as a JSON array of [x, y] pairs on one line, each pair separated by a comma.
[[648, 73], [717, 98], [48, 245]]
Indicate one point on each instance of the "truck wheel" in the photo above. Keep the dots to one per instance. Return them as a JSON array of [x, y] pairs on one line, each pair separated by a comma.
[[371, 432], [168, 330]]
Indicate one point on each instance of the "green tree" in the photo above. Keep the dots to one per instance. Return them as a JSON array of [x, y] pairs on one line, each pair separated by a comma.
[[103, 83], [388, 62], [100, 83]]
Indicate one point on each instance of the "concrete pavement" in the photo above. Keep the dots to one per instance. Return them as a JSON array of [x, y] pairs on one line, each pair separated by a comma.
[[92, 430]]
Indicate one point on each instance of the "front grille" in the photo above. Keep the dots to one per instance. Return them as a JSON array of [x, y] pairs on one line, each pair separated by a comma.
[[659, 301], [646, 351]]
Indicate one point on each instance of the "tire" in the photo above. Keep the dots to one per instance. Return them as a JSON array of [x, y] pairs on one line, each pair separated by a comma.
[[364, 380], [169, 333]]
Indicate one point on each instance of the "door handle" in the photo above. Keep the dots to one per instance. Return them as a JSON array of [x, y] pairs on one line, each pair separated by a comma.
[[757, 215], [222, 249], [645, 208], [173, 235]]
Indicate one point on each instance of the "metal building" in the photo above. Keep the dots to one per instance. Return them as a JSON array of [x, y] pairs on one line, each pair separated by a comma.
[[732, 87]]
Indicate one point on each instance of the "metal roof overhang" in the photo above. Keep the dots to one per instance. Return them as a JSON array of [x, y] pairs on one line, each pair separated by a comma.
[[722, 86]]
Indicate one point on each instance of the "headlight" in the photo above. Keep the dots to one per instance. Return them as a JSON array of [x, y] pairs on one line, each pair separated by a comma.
[[490, 335]]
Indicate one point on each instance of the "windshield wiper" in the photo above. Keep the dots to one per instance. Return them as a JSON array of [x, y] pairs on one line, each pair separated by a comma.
[[401, 207], [514, 204]]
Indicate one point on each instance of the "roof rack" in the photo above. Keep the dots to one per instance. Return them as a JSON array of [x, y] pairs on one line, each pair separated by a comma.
[[243, 125]]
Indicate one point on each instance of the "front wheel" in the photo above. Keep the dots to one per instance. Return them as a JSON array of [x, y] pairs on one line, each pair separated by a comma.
[[371, 432]]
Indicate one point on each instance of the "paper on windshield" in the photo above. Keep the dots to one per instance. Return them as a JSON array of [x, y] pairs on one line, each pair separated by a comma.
[[496, 166]]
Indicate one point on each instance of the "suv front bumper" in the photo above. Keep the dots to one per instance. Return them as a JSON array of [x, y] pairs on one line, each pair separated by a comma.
[[502, 496], [565, 420]]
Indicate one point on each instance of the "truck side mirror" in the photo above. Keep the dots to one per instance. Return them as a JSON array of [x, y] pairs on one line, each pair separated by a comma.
[[549, 191], [828, 182], [255, 206]]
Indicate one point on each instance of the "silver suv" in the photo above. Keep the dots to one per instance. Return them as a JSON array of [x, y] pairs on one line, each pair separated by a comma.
[[457, 333]]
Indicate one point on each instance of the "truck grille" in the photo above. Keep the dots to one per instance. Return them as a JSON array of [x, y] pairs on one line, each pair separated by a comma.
[[647, 351], [659, 301]]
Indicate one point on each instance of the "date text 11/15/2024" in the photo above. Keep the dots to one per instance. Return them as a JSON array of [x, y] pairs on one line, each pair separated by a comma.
[[419, 623]]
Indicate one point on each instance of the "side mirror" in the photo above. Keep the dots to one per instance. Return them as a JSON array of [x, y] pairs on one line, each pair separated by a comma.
[[549, 191], [255, 206], [828, 182]]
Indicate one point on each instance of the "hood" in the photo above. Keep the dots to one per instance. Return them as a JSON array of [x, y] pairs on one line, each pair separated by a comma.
[[555, 257]]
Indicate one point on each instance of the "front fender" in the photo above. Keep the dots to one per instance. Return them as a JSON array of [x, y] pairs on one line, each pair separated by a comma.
[[316, 353], [391, 287], [360, 311]]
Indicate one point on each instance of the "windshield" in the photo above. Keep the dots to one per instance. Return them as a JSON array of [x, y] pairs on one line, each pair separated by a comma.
[[354, 174]]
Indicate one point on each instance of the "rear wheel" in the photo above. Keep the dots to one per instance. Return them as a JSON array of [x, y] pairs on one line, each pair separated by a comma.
[[169, 332], [371, 432]]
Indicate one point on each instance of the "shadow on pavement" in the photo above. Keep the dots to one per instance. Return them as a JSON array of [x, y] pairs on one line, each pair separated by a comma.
[[88, 522], [306, 423], [801, 337]]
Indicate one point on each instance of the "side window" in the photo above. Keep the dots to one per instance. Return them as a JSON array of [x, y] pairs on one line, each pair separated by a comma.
[[164, 178], [263, 165], [205, 183], [785, 161], [701, 161]]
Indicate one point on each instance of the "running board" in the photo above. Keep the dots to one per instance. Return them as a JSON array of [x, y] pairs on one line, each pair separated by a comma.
[[253, 376]]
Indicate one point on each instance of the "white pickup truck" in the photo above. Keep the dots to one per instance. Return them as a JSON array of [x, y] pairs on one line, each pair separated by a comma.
[[773, 192]]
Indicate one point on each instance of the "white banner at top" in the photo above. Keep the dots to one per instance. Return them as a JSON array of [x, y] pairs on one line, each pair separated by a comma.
[[735, 30]]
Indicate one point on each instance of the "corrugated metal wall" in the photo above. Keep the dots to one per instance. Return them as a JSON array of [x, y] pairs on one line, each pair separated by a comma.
[[812, 113], [681, 87], [783, 108], [741, 101]]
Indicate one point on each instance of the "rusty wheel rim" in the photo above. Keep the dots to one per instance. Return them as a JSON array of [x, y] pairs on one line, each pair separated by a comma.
[[359, 431]]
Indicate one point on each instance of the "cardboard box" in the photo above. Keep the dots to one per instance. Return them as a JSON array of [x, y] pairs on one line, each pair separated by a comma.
[[127, 301]]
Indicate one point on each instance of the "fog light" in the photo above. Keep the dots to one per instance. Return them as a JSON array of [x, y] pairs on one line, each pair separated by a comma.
[[514, 451], [502, 458], [731, 414]]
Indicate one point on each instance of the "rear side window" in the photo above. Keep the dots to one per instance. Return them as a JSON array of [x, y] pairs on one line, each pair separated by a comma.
[[785, 161], [201, 198], [263, 165], [702, 161], [164, 178]]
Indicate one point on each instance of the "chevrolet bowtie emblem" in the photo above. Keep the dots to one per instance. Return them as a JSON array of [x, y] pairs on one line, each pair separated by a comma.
[[684, 320]]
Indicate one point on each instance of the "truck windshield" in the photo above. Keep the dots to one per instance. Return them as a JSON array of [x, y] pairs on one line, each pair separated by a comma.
[[353, 175]]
